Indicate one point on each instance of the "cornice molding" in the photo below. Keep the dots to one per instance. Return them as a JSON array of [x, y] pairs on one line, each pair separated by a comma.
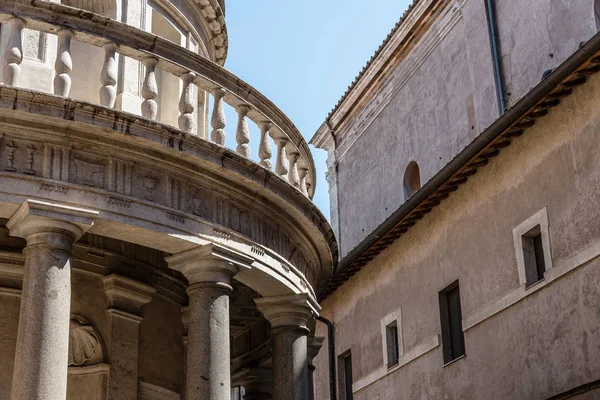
[[406, 34], [125, 294]]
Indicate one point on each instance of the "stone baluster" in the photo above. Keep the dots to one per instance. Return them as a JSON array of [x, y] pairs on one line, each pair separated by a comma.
[[13, 55], [218, 117], [302, 172], [41, 365], [293, 177], [150, 89], [64, 64], [281, 166], [125, 298], [108, 77], [209, 270], [242, 135], [264, 150], [289, 316], [186, 103]]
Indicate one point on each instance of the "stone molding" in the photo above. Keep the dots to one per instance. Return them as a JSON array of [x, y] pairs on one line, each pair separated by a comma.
[[148, 391], [126, 295], [288, 310], [101, 371], [314, 346], [35, 216], [209, 264], [349, 133]]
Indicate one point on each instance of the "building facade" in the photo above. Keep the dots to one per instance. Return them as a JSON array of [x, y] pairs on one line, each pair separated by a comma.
[[140, 256], [464, 177]]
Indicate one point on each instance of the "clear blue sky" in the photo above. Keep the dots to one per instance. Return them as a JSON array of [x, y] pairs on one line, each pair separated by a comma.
[[304, 54]]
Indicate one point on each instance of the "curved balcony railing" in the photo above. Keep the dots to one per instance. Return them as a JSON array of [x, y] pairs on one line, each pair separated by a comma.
[[293, 161]]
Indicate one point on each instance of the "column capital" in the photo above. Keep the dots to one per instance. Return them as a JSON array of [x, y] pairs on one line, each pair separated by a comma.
[[34, 216], [126, 296], [288, 310], [257, 381], [209, 264]]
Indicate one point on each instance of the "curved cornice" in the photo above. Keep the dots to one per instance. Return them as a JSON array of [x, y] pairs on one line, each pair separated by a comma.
[[190, 161]]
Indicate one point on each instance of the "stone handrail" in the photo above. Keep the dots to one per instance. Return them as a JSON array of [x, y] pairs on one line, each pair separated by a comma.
[[294, 161]]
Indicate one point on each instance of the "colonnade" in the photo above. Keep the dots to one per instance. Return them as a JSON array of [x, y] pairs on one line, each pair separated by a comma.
[[41, 363]]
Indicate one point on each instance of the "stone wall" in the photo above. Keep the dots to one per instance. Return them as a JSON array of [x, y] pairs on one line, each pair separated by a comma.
[[520, 343], [441, 96]]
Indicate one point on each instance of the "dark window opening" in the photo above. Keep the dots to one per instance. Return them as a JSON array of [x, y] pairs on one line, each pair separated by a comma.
[[412, 179], [453, 339], [345, 376], [533, 256], [391, 337]]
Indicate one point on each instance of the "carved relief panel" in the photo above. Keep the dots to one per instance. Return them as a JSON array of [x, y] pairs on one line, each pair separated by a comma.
[[20, 156]]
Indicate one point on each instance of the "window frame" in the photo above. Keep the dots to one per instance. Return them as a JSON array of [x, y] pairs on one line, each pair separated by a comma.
[[391, 318], [449, 352], [527, 229], [345, 392]]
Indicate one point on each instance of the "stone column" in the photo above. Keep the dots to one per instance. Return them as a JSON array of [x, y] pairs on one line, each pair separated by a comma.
[[42, 355], [314, 345], [257, 382], [209, 270], [289, 316], [125, 300]]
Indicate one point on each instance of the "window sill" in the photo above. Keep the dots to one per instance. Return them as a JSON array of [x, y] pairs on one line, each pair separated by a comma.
[[534, 284], [453, 361]]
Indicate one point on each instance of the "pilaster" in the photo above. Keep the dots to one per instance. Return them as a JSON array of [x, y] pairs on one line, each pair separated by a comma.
[[125, 299]]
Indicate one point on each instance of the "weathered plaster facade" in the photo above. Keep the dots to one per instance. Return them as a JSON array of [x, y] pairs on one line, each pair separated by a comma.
[[140, 258], [427, 104]]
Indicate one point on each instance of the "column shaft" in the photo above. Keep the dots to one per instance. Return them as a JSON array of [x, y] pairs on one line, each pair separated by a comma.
[[208, 358], [123, 352], [289, 355], [42, 355]]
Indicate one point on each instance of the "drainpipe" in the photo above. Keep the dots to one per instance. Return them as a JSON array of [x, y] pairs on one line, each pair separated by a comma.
[[331, 348], [490, 8]]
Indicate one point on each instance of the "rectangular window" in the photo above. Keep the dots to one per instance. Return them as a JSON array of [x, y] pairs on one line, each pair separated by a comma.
[[533, 256], [453, 339], [345, 375], [391, 337]]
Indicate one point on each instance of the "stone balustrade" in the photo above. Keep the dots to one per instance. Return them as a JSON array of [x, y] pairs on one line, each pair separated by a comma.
[[293, 161]]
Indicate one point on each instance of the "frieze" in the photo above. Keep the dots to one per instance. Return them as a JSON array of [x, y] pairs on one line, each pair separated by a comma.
[[65, 162], [56, 161], [89, 172], [19, 156]]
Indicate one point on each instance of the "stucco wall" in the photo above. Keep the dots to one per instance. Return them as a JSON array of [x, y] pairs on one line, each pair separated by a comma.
[[547, 342], [447, 101]]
